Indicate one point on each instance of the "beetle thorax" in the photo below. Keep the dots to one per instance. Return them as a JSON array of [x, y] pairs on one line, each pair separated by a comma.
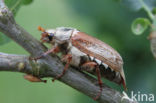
[[62, 34]]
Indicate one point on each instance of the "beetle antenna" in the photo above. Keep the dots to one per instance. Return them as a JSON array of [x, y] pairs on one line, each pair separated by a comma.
[[41, 29]]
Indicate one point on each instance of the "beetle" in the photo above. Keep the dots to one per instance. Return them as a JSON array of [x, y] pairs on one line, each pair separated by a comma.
[[85, 52]]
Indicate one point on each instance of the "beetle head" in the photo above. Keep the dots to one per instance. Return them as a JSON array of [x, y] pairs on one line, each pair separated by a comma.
[[46, 36], [59, 35]]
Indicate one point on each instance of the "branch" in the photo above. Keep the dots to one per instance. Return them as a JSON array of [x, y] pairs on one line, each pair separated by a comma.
[[50, 66], [15, 63], [79, 81]]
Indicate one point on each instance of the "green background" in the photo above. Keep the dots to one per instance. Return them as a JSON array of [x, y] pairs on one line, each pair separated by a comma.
[[105, 19]]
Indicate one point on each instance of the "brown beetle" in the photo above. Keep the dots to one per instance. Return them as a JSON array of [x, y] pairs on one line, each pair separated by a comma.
[[86, 52]]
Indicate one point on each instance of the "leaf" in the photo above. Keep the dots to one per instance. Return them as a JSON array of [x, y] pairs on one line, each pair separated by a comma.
[[139, 25], [135, 5], [26, 2], [154, 11], [14, 5], [3, 39]]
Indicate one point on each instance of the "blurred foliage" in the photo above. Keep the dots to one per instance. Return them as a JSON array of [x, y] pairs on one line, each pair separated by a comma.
[[14, 6], [140, 25], [135, 4], [154, 11], [107, 20], [3, 39]]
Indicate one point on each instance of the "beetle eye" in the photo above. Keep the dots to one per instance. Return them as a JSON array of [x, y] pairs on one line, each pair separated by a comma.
[[51, 35]]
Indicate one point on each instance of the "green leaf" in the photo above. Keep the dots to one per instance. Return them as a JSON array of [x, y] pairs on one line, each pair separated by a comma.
[[135, 5], [26, 2], [14, 5], [154, 11], [3, 39], [139, 25]]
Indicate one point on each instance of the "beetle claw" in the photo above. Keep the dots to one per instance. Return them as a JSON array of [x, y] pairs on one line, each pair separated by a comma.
[[98, 96]]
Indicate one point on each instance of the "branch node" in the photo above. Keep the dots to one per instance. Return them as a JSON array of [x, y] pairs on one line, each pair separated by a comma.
[[20, 66]]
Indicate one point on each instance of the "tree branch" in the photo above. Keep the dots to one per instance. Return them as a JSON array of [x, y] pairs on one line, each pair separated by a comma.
[[15, 63], [50, 66]]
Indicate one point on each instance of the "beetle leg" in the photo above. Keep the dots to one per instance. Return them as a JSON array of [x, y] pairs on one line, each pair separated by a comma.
[[99, 81], [68, 59], [96, 66], [32, 78], [88, 66], [53, 50]]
